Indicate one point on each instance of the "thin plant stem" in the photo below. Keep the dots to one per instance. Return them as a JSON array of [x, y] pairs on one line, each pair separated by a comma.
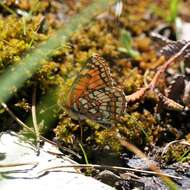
[[16, 118], [108, 167], [34, 119], [17, 164], [84, 153], [32, 131]]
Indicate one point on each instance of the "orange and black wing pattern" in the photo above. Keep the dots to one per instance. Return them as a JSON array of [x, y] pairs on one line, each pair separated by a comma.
[[93, 94]]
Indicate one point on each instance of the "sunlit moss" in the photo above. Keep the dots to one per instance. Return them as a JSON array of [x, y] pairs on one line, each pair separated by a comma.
[[96, 38], [133, 80], [134, 17], [138, 128], [65, 130], [13, 41], [33, 5], [109, 137], [177, 152]]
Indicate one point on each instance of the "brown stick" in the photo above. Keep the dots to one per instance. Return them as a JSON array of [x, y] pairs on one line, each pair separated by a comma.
[[152, 85], [168, 63], [108, 167]]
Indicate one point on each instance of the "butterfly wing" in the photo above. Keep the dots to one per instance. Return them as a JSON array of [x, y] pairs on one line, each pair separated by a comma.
[[104, 105], [93, 94], [95, 75]]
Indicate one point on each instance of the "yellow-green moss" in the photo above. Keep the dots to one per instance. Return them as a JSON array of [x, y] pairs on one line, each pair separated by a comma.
[[14, 42], [177, 152], [109, 137], [133, 80], [65, 130], [138, 127]]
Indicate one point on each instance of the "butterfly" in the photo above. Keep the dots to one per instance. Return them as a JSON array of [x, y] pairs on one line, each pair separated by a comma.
[[94, 94]]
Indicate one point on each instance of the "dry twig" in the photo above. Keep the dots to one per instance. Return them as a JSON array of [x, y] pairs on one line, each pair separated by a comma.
[[168, 63], [108, 167], [152, 85], [32, 131]]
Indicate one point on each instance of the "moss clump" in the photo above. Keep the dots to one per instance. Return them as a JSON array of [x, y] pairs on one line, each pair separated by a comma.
[[177, 152], [14, 41], [65, 130], [108, 137], [23, 104], [132, 75], [98, 38], [138, 128]]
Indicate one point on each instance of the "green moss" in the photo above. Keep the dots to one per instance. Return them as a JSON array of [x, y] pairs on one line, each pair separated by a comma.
[[13, 41], [138, 128], [133, 80], [177, 152], [98, 38], [65, 130], [108, 137]]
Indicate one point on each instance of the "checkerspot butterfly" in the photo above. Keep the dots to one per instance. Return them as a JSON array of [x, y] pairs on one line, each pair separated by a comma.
[[94, 94]]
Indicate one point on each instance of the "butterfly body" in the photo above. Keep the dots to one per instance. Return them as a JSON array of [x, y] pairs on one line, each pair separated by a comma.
[[94, 94]]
